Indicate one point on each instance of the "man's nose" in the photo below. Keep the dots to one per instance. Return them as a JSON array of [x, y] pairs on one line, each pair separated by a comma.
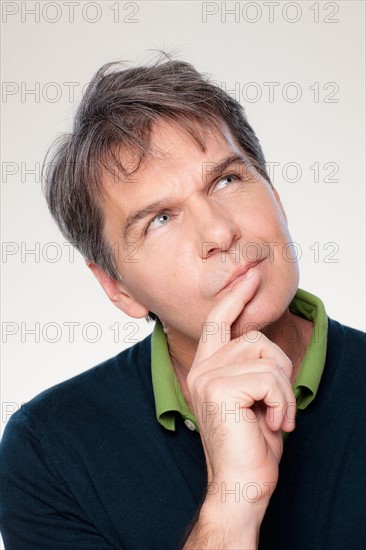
[[215, 228]]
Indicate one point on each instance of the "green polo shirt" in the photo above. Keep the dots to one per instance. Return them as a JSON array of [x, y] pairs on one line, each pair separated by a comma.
[[169, 399]]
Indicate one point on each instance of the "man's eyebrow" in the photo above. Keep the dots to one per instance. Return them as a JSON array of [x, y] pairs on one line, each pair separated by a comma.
[[144, 212], [214, 170]]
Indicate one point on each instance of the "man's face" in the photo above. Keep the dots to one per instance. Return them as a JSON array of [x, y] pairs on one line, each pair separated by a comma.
[[177, 260]]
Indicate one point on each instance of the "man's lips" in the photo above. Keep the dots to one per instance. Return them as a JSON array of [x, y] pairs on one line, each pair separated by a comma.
[[239, 274]]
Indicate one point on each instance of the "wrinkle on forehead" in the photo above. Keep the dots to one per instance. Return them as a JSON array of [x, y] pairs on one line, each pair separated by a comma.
[[162, 146]]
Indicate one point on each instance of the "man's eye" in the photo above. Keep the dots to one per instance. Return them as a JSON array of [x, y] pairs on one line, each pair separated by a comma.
[[229, 179], [159, 220]]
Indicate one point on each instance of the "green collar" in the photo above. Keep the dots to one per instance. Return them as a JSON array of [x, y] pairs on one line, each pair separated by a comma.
[[311, 370], [170, 400]]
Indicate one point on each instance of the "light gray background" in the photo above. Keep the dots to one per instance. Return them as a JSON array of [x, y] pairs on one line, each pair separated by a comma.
[[235, 52]]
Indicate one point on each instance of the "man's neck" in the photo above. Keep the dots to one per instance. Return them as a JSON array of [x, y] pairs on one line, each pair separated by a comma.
[[291, 333]]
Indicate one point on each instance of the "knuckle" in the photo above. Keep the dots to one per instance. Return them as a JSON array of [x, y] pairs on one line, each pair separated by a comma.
[[288, 365], [213, 387], [252, 336], [270, 364], [192, 378], [198, 383], [270, 379]]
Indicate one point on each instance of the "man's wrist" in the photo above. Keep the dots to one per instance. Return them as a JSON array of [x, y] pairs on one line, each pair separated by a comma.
[[227, 524]]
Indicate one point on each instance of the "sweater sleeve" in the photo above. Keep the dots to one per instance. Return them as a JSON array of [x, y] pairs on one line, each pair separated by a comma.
[[37, 508]]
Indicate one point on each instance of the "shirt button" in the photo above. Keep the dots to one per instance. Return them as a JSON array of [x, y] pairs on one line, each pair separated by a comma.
[[189, 424]]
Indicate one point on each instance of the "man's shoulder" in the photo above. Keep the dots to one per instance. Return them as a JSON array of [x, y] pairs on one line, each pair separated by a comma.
[[111, 383], [341, 334], [346, 354]]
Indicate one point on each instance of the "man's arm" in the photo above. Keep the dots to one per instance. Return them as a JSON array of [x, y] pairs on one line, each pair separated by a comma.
[[222, 526], [243, 399], [37, 507]]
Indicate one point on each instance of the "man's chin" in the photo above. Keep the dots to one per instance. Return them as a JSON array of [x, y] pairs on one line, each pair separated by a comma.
[[257, 316]]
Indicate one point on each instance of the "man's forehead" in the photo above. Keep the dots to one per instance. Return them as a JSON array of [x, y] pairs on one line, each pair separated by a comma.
[[172, 145]]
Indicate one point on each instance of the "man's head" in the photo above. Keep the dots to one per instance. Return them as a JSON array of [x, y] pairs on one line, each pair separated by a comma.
[[155, 133]]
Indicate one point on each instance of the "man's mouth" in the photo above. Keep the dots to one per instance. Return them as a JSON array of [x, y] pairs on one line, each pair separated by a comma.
[[239, 274]]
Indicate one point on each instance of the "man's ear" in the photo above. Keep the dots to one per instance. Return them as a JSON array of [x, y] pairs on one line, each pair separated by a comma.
[[117, 293], [275, 192]]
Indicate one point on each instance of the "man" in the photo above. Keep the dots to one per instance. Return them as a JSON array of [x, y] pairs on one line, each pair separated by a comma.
[[188, 438]]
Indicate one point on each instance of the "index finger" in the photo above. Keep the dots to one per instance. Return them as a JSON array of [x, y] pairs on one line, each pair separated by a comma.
[[225, 313]]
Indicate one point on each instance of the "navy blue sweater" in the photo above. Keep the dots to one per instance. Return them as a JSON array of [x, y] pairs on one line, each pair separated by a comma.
[[86, 466]]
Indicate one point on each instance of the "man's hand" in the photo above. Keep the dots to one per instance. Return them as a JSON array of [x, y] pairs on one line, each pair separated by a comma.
[[242, 398]]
